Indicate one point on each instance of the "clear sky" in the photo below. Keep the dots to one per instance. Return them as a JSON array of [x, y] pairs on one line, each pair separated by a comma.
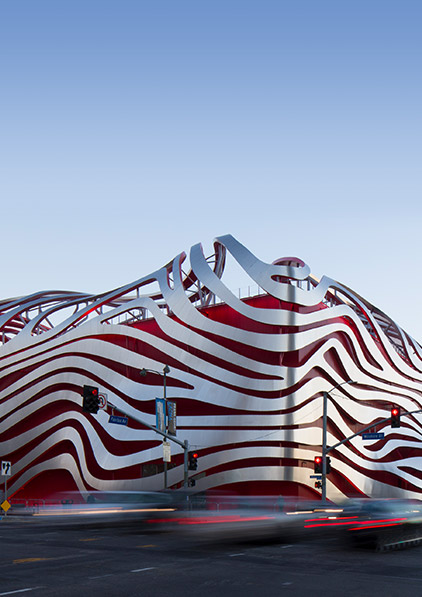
[[131, 130]]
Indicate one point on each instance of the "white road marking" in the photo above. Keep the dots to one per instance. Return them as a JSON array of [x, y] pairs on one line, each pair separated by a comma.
[[100, 576], [20, 591], [233, 555], [143, 569]]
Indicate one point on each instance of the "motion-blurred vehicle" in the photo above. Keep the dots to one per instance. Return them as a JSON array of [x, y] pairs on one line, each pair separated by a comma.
[[376, 523], [222, 518]]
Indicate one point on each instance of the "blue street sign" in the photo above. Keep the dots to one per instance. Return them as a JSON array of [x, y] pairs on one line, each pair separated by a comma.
[[372, 436], [315, 476], [118, 420], [160, 414]]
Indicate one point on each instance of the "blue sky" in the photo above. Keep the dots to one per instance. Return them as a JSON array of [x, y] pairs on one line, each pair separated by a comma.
[[131, 130]]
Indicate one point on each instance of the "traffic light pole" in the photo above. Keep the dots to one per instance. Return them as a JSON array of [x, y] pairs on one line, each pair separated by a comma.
[[184, 444], [326, 449], [324, 446]]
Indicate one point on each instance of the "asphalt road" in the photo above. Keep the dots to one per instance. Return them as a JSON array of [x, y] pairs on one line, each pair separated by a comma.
[[114, 560]]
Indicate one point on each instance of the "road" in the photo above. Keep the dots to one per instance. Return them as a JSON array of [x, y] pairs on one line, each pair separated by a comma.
[[113, 560]]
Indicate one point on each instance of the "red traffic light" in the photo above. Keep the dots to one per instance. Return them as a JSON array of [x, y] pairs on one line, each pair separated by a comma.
[[194, 454], [395, 416], [318, 464]]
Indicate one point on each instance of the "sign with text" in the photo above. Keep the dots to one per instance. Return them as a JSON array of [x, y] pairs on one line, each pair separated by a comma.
[[160, 414], [118, 420], [166, 452], [372, 436], [171, 413]]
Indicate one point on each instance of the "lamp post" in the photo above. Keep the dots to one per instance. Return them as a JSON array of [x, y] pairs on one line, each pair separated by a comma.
[[166, 369], [325, 449]]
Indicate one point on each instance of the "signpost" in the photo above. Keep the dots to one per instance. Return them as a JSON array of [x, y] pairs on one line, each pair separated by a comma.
[[5, 471]]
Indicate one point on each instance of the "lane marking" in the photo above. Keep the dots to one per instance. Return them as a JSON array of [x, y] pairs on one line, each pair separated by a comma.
[[234, 555], [20, 591], [25, 560], [151, 545], [100, 576], [143, 569], [90, 539], [286, 546]]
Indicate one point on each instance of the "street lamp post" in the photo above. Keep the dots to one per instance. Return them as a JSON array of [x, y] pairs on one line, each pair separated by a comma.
[[325, 448], [166, 370], [185, 444]]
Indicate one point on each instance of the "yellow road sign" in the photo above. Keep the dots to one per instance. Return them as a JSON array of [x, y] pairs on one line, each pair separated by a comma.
[[5, 505]]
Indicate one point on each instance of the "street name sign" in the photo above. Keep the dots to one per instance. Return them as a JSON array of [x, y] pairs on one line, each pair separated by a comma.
[[372, 436], [118, 420]]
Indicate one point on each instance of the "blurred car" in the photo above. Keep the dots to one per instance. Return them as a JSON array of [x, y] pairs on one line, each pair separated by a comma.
[[376, 523], [222, 518]]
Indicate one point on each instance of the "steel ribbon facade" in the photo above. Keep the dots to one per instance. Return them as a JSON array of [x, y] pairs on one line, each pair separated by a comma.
[[247, 376]]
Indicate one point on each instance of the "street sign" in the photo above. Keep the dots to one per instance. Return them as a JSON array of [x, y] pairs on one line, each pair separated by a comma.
[[102, 400], [6, 468], [166, 451], [315, 477], [118, 420], [171, 413], [160, 414], [372, 436], [5, 505]]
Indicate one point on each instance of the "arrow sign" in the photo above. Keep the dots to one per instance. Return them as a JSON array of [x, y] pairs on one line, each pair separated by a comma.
[[372, 436], [6, 468], [118, 420]]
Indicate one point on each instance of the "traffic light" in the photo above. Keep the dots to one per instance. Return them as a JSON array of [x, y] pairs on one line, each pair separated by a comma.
[[318, 464], [91, 400], [318, 485], [395, 416], [328, 464], [192, 461]]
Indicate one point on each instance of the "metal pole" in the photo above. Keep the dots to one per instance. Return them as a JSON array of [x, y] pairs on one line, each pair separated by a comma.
[[185, 465], [324, 447], [165, 370]]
